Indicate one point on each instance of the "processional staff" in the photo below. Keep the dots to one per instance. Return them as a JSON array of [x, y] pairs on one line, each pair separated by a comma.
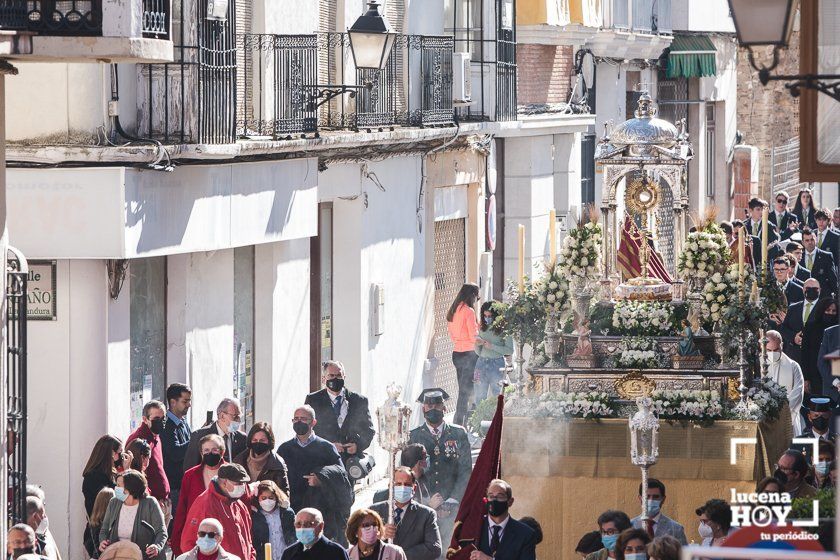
[[394, 431]]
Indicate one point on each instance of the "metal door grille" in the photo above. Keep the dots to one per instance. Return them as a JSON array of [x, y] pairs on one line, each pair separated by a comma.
[[16, 276], [450, 275]]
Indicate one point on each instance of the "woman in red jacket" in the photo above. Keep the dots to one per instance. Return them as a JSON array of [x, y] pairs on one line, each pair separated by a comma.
[[194, 483], [463, 329]]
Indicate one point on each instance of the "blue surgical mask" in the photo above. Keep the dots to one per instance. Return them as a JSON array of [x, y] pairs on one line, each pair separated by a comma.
[[822, 467], [488, 320], [609, 541], [120, 493], [653, 507], [206, 545], [636, 556], [403, 494], [306, 535]]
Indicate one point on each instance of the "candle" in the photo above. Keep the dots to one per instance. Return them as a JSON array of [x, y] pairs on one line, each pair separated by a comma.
[[740, 261], [765, 214], [268, 551], [552, 236], [520, 271]]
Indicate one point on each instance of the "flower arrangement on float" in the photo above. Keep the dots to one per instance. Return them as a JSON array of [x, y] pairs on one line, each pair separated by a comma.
[[699, 406], [562, 405], [553, 290], [719, 293], [581, 253], [765, 400], [642, 318], [638, 352]]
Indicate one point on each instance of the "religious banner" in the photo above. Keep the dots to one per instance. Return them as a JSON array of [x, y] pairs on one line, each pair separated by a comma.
[[629, 259]]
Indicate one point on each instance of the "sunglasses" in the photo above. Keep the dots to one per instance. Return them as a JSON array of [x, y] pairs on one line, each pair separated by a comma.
[[211, 534]]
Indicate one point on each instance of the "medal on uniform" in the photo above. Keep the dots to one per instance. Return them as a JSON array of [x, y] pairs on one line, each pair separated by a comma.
[[437, 450]]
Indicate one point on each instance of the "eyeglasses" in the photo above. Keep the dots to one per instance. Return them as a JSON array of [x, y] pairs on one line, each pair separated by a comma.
[[499, 497], [305, 524], [236, 418], [785, 470], [367, 524], [211, 534]]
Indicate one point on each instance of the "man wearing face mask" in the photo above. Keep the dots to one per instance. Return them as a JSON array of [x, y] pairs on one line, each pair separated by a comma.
[[149, 430], [208, 545], [450, 458], [797, 317], [830, 343], [414, 457], [227, 424], [343, 416], [36, 517], [788, 374], [21, 540], [792, 469], [610, 524], [415, 527], [658, 524], [311, 543], [819, 416], [317, 478], [222, 501], [502, 536]]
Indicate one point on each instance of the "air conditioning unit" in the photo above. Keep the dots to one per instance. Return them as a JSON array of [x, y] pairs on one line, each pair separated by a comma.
[[461, 78]]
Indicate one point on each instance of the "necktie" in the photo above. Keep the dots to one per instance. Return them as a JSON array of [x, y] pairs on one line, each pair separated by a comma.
[[810, 261], [494, 542], [229, 445], [779, 221], [337, 406], [820, 239], [649, 527], [397, 515], [755, 228], [808, 306]]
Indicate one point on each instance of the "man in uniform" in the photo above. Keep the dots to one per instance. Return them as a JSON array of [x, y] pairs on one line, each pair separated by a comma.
[[450, 458]]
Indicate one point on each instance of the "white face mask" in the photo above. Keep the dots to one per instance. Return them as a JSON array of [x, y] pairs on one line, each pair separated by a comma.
[[237, 491], [774, 356], [268, 504], [43, 526], [705, 531]]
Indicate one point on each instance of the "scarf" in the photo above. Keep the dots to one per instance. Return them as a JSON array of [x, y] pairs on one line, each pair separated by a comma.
[[256, 465]]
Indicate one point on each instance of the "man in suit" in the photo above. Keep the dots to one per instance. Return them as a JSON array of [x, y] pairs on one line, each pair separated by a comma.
[[797, 272], [450, 457], [830, 343], [792, 290], [415, 527], [343, 416], [784, 220], [414, 457], [820, 263], [797, 316], [502, 536], [827, 240], [754, 228], [228, 421], [658, 524], [311, 542], [820, 408]]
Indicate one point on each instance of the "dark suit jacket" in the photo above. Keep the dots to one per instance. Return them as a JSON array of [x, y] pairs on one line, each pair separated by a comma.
[[794, 293], [357, 427], [830, 343], [807, 218], [193, 454], [831, 243], [517, 541], [417, 533], [792, 325], [773, 237], [823, 271], [323, 549], [802, 274], [782, 225]]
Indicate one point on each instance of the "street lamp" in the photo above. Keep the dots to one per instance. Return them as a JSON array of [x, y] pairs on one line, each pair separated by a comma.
[[769, 23], [644, 443]]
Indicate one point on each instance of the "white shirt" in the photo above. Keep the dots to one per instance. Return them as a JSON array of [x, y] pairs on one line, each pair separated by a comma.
[[788, 374], [125, 525], [228, 439], [343, 414], [491, 524]]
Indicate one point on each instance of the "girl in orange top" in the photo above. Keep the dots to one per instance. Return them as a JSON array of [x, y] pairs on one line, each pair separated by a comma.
[[463, 330]]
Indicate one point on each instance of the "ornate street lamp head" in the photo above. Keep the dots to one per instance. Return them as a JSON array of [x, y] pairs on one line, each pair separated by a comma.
[[644, 434]]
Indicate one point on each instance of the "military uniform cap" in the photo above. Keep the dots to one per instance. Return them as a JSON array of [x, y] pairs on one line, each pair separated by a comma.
[[434, 395], [820, 404]]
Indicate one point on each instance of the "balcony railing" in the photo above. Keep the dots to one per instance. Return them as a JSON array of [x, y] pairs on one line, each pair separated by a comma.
[[642, 16], [264, 86]]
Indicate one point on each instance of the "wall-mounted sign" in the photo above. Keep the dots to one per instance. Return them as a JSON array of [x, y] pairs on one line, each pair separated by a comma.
[[40, 291]]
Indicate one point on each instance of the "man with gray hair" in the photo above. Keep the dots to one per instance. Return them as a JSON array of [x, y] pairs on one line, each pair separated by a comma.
[[209, 543], [788, 374], [311, 542], [21, 540], [317, 478], [228, 421]]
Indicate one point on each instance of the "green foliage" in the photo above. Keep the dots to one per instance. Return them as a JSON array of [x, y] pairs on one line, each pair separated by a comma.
[[601, 317], [803, 508], [524, 317]]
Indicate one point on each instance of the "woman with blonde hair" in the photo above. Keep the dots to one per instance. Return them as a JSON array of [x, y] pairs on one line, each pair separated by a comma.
[[91, 539], [364, 533], [272, 520]]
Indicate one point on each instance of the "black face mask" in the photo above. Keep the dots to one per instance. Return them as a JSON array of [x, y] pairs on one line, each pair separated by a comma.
[[780, 476], [820, 423], [260, 447], [300, 428], [21, 551], [118, 462], [211, 459], [497, 508], [812, 294], [434, 416], [157, 425], [335, 385]]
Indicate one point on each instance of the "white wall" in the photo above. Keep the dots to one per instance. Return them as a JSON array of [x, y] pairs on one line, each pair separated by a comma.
[[701, 15], [611, 104], [289, 18]]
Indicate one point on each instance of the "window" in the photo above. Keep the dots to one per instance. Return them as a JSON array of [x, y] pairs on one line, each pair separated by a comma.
[[147, 325], [243, 331], [710, 149]]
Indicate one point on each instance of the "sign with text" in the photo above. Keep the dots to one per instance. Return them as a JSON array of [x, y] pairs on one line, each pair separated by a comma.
[[40, 291]]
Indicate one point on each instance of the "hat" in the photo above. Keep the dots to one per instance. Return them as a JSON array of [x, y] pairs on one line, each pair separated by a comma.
[[234, 472], [820, 403], [434, 395]]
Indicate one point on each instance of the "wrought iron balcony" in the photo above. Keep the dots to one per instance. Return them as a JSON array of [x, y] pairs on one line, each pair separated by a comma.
[[264, 86]]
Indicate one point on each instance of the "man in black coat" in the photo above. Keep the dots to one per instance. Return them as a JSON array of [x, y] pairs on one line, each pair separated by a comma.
[[317, 478], [753, 227], [794, 254], [311, 543], [785, 221], [228, 421], [820, 263], [343, 416], [502, 536], [797, 316], [827, 240], [792, 290], [175, 439]]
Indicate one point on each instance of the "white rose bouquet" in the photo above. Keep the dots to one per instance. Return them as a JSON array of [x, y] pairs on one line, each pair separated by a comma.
[[696, 406], [721, 293], [562, 405], [553, 291], [705, 253], [765, 400], [580, 256], [638, 353], [641, 318]]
